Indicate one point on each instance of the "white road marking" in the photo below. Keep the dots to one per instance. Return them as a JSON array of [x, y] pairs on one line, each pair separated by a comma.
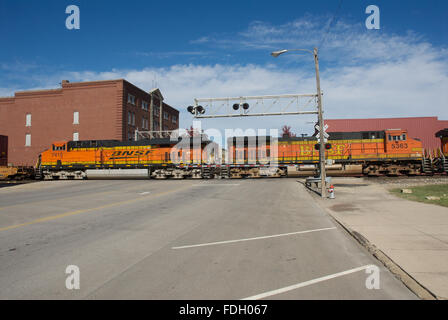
[[250, 239], [304, 284], [215, 184], [143, 193]]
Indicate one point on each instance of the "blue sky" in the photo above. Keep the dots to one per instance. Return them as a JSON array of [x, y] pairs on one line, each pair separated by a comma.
[[221, 48]]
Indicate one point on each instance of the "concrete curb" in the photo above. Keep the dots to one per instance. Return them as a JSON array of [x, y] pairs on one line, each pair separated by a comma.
[[416, 287]]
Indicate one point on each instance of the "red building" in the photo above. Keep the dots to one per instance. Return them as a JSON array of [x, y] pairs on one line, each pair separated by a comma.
[[423, 128], [96, 110]]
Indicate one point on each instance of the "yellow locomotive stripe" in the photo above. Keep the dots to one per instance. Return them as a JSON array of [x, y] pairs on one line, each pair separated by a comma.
[[313, 142]]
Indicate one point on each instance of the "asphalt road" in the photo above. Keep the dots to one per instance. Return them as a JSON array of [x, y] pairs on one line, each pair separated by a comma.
[[190, 239]]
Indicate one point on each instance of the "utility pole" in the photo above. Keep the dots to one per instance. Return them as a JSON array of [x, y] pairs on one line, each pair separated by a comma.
[[323, 175]]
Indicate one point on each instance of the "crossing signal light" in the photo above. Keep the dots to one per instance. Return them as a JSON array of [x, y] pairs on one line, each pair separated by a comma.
[[198, 109], [236, 106], [328, 146]]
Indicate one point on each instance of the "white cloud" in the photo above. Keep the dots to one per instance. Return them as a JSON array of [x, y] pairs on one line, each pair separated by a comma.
[[341, 42], [415, 86], [169, 54], [200, 40]]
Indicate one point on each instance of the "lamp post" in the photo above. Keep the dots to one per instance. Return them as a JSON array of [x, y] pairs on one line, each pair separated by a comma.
[[275, 54]]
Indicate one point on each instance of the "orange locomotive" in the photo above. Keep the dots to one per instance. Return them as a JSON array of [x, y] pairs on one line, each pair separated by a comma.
[[389, 152], [158, 158]]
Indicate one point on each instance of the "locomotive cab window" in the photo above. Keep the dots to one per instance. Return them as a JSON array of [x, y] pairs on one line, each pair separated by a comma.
[[59, 148], [400, 137]]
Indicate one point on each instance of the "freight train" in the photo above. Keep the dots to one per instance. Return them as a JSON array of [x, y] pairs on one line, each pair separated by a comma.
[[370, 153]]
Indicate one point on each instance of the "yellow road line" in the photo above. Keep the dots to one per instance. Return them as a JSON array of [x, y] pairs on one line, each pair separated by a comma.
[[72, 213], [51, 200]]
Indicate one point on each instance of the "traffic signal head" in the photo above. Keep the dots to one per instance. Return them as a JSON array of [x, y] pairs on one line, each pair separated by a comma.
[[190, 109], [236, 106], [245, 106]]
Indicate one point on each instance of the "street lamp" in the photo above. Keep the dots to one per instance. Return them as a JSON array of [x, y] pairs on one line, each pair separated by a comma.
[[275, 54]]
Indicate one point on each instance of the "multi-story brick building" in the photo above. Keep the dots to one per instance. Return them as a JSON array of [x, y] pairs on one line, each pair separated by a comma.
[[96, 110]]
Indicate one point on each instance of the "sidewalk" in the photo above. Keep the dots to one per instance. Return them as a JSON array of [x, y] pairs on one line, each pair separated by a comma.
[[413, 235]]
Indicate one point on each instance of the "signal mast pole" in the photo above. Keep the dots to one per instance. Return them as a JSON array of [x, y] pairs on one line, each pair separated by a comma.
[[320, 117], [323, 174]]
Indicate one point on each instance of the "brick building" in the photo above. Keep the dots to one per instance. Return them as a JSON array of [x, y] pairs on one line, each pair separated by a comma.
[[423, 128], [95, 110]]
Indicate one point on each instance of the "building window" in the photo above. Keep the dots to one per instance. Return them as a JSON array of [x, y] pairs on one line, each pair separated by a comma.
[[145, 105], [76, 117], [144, 123], [174, 119], [28, 120], [28, 140], [156, 110], [75, 136], [131, 99], [131, 118], [166, 115]]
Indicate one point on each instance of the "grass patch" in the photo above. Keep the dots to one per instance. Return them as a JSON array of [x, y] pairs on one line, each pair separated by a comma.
[[419, 193]]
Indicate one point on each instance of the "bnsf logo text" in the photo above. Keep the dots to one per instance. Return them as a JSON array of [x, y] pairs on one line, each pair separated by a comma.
[[131, 153]]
